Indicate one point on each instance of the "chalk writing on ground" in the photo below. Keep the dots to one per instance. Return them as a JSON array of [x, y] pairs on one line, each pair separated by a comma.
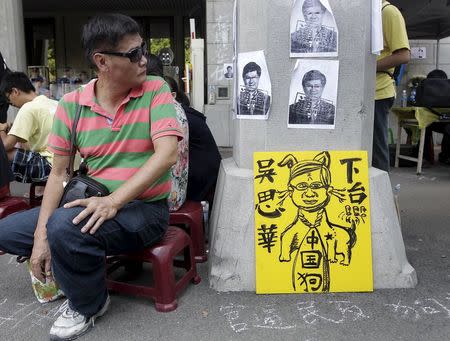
[[22, 317], [421, 307], [243, 318]]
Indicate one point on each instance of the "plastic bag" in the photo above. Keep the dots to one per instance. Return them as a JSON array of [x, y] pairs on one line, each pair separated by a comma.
[[44, 292]]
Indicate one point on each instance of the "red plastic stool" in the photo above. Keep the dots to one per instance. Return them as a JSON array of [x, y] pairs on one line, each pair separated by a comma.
[[9, 204], [191, 215], [161, 255]]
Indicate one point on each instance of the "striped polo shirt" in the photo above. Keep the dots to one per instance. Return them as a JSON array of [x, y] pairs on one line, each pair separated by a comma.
[[116, 146]]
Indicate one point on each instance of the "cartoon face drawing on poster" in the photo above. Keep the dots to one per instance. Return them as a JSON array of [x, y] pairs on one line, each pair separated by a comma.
[[314, 240], [313, 95], [254, 86], [297, 213], [313, 29]]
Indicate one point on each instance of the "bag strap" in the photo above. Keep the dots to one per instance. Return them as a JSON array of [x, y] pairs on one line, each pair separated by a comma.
[[73, 136], [390, 74]]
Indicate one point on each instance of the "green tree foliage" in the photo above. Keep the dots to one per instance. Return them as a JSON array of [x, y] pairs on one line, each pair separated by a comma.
[[157, 44], [51, 60], [187, 50]]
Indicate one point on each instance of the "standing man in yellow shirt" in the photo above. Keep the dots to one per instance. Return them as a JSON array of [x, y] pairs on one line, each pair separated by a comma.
[[31, 128], [395, 52]]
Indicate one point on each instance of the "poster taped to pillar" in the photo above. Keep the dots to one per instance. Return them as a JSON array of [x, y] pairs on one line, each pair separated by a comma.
[[312, 222], [313, 94], [313, 29], [254, 89]]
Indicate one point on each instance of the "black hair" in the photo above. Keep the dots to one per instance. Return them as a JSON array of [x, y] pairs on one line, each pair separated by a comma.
[[437, 74], [154, 65], [313, 75], [252, 66], [104, 32], [17, 80], [180, 95]]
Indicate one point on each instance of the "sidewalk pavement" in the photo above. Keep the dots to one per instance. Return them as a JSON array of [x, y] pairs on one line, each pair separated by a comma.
[[422, 313]]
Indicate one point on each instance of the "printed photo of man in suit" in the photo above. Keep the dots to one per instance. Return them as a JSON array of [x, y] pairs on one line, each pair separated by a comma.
[[252, 101], [309, 107], [311, 35]]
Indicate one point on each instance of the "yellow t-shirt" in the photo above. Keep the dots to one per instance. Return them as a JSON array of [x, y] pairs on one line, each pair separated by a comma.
[[394, 38], [33, 124]]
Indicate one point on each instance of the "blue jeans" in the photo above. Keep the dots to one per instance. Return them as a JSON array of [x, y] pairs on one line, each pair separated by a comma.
[[380, 148], [78, 259]]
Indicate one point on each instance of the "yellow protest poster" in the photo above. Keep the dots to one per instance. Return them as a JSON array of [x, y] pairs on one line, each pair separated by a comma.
[[312, 222]]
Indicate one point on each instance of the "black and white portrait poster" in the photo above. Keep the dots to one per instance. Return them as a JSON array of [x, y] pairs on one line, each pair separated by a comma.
[[228, 70], [254, 87], [313, 94], [313, 29]]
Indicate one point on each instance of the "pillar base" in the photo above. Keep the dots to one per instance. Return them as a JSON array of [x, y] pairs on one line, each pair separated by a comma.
[[232, 247]]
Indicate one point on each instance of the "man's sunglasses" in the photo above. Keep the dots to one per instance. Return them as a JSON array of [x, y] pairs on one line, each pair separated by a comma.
[[134, 55], [7, 96]]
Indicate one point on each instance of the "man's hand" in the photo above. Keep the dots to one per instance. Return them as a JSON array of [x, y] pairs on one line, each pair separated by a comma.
[[99, 208], [40, 260], [5, 127]]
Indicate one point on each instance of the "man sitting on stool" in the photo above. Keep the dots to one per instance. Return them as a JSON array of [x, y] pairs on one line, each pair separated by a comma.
[[33, 123], [443, 128]]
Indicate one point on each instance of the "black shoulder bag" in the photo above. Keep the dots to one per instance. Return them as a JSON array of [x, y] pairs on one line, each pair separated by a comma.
[[79, 186]]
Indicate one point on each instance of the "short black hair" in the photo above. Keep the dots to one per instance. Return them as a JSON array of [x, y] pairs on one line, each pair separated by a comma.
[[440, 74], [154, 65], [180, 95], [313, 75], [17, 80], [104, 32], [252, 66]]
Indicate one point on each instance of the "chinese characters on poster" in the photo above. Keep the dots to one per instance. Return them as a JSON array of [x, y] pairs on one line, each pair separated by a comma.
[[312, 222]]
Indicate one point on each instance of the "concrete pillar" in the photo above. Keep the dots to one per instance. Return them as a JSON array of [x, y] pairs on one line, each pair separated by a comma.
[[219, 46], [12, 39], [232, 260], [12, 34]]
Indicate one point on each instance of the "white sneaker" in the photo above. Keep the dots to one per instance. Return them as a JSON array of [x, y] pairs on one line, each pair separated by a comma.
[[71, 324]]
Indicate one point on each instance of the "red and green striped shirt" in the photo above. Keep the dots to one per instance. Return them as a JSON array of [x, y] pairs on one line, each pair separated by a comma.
[[116, 146]]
